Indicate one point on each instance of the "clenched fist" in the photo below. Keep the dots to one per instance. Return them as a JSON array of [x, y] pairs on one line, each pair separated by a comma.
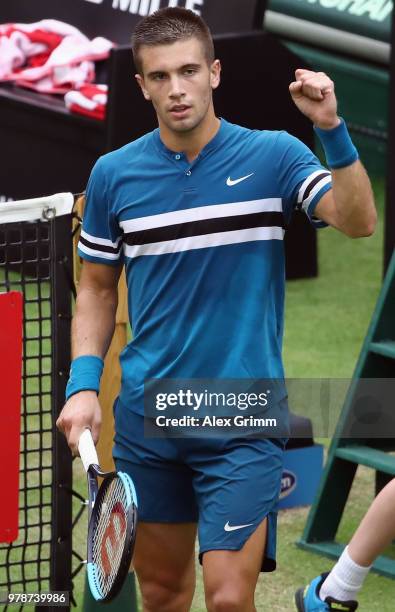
[[314, 95]]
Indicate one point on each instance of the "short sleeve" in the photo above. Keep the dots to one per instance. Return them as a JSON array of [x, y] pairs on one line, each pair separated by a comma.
[[303, 180], [101, 237]]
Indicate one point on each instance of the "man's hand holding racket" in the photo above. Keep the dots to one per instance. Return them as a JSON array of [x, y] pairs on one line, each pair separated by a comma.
[[112, 523], [112, 507], [81, 411]]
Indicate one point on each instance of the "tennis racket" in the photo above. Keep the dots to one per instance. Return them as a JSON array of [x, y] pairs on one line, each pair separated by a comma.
[[112, 524]]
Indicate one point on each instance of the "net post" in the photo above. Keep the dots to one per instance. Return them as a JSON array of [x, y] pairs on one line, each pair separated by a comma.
[[61, 273]]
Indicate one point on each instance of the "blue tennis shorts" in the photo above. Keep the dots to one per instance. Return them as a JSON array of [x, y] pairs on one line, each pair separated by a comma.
[[228, 485]]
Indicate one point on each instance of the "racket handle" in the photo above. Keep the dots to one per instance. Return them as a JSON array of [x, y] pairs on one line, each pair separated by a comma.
[[87, 450]]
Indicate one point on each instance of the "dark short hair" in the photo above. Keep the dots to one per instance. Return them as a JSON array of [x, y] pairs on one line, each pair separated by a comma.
[[168, 26]]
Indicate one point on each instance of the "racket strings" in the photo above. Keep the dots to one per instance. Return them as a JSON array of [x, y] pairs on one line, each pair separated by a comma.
[[110, 534]]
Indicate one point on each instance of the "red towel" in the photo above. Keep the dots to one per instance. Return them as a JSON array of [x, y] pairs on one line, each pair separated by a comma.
[[89, 100], [49, 56]]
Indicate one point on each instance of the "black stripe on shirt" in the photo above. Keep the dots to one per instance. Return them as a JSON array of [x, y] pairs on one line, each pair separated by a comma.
[[101, 247], [309, 188], [205, 226]]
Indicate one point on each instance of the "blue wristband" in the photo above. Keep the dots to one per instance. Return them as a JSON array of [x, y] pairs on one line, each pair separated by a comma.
[[85, 374], [338, 146]]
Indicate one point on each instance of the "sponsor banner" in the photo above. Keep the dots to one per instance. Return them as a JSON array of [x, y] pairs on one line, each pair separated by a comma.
[[147, 7], [289, 481], [301, 476], [363, 17], [116, 19]]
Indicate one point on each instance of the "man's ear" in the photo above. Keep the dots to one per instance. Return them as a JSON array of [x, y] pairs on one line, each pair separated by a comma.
[[215, 74], [140, 81]]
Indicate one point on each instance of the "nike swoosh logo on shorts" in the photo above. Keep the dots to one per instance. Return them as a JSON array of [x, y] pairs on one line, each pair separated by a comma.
[[234, 527], [231, 183]]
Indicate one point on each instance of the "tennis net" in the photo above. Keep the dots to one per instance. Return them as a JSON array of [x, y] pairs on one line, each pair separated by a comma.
[[36, 257]]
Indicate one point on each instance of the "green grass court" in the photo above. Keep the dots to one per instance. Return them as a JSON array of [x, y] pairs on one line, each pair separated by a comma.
[[326, 321]]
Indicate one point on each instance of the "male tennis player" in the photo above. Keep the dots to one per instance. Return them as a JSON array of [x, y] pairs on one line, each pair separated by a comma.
[[195, 210]]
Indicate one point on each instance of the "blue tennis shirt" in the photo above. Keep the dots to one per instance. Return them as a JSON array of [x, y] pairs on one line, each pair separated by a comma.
[[203, 249]]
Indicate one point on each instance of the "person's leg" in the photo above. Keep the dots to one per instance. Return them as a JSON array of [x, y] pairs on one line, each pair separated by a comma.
[[342, 584], [375, 532], [164, 561], [377, 528], [164, 555], [237, 485], [230, 576]]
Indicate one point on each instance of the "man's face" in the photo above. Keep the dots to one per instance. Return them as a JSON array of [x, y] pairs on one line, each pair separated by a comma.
[[179, 82]]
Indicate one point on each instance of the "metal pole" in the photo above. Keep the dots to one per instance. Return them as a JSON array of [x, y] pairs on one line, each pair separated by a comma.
[[389, 236], [61, 273]]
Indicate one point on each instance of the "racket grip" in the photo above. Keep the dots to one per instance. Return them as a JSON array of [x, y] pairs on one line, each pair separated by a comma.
[[87, 450]]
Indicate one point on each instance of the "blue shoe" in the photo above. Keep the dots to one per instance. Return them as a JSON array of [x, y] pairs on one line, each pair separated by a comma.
[[307, 599]]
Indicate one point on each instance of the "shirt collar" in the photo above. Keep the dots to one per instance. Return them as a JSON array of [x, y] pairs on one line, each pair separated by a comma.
[[214, 143]]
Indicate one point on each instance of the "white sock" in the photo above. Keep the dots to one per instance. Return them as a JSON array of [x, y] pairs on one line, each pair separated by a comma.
[[345, 579]]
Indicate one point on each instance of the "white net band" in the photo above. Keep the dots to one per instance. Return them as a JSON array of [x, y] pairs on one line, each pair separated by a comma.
[[44, 208]]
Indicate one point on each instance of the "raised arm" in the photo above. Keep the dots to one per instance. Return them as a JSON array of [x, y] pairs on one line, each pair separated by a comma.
[[349, 206], [92, 329]]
